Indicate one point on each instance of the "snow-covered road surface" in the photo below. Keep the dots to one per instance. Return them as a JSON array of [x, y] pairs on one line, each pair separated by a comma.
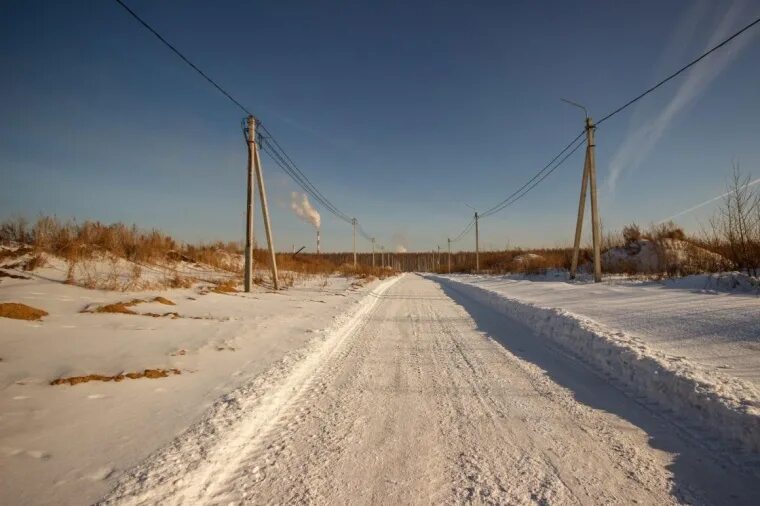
[[423, 396]]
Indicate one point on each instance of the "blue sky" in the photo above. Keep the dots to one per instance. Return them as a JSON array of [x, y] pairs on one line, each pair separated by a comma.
[[400, 112]]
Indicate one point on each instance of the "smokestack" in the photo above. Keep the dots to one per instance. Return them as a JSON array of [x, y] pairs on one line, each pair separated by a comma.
[[317, 241]]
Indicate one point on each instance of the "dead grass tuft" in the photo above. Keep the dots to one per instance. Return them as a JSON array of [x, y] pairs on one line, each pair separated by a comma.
[[118, 307], [163, 300], [21, 311], [147, 373], [226, 287]]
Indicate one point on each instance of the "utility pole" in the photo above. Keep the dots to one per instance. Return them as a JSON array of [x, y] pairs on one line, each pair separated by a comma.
[[265, 210], [477, 244], [438, 259], [449, 239], [353, 222], [250, 138], [589, 178], [373, 252]]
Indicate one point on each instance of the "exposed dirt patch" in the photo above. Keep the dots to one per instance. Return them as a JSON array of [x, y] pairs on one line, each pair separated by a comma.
[[226, 287], [173, 314], [147, 373], [118, 307], [21, 311], [4, 274], [124, 307]]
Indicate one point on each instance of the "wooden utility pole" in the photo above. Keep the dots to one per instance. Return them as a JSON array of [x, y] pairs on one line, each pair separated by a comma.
[[589, 178], [353, 222], [449, 239], [373, 252], [477, 244], [265, 212], [248, 275]]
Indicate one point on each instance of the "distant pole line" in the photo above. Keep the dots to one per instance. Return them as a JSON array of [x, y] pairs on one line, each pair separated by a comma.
[[273, 148]]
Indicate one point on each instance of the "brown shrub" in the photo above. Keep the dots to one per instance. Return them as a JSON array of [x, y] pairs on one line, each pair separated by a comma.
[[21, 311]]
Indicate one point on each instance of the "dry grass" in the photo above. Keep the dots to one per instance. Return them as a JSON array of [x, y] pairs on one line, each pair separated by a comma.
[[21, 311], [226, 287], [147, 373], [124, 307]]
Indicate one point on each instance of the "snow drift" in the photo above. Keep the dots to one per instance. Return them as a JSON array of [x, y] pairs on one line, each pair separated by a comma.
[[726, 407]]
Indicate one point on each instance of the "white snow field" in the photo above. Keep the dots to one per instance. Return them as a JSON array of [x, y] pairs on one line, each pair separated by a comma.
[[422, 391], [66, 444], [692, 345]]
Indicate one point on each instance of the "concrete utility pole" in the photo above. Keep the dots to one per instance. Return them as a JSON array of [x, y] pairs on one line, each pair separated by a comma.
[[589, 178], [449, 239], [373, 252], [265, 211], [353, 222], [477, 244], [250, 136]]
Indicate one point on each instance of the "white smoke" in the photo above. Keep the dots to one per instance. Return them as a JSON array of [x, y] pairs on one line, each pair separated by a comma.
[[400, 249], [300, 205], [643, 137]]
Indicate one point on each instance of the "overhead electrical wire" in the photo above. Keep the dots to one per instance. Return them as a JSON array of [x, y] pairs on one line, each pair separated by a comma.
[[541, 174], [679, 71], [267, 142], [498, 207], [464, 231]]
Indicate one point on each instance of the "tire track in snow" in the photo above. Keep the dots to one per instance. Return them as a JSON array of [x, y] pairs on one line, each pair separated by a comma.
[[192, 467]]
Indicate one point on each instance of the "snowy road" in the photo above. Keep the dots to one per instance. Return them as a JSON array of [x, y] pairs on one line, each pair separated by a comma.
[[426, 397]]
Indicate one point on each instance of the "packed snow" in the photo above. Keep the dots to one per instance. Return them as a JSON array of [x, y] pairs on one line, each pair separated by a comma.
[[692, 345], [65, 444]]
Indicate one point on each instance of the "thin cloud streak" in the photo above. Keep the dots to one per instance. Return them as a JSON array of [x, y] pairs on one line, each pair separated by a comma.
[[706, 202], [643, 138]]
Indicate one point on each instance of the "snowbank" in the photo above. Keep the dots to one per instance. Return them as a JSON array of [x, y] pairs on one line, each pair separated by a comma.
[[726, 406], [62, 444], [665, 255]]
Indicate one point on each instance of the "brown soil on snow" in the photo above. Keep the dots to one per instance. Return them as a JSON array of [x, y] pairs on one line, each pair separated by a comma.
[[147, 373], [123, 307], [226, 287], [21, 311]]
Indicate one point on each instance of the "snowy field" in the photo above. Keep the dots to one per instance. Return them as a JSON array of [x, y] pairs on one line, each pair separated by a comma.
[[414, 389], [691, 344], [64, 444]]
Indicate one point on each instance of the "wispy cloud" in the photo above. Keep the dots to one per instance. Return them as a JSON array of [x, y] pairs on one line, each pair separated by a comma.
[[707, 202], [645, 133]]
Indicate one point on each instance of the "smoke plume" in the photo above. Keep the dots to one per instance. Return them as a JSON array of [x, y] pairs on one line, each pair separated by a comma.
[[300, 205]]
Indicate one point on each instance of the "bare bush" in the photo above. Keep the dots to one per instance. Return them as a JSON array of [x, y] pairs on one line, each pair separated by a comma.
[[735, 227]]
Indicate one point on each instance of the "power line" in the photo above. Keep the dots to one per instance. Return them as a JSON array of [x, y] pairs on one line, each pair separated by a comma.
[[176, 51], [500, 205], [507, 203], [679, 71], [273, 148], [464, 231]]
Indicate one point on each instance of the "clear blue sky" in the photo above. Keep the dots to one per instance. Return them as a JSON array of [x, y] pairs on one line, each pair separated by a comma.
[[400, 112]]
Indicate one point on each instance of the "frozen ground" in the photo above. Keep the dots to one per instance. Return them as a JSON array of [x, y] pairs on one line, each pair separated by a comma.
[[691, 318], [417, 390], [66, 444], [424, 395], [690, 345]]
